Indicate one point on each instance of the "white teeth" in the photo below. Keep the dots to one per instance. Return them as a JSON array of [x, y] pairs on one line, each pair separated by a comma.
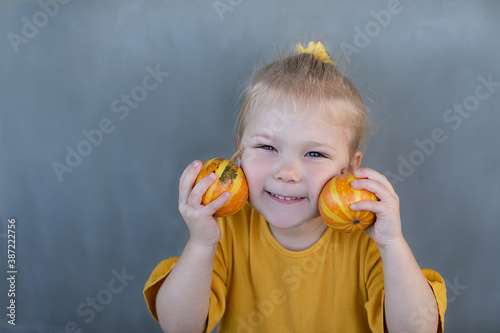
[[284, 198]]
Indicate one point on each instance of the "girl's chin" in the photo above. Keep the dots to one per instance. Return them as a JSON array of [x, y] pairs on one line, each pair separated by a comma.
[[287, 215], [288, 222]]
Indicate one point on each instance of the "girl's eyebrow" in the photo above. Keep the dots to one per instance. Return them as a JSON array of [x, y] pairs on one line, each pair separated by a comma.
[[320, 144], [263, 135]]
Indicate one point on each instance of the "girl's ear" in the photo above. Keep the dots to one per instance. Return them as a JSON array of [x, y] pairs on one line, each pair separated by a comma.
[[356, 161]]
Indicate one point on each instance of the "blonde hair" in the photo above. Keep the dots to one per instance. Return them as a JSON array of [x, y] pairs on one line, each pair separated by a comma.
[[311, 81]]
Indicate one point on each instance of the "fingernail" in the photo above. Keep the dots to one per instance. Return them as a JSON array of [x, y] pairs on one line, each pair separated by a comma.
[[196, 163]]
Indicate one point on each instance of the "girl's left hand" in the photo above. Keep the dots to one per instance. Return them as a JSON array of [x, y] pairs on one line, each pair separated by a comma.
[[387, 227]]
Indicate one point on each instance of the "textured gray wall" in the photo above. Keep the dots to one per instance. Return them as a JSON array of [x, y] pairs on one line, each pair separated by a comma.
[[95, 228]]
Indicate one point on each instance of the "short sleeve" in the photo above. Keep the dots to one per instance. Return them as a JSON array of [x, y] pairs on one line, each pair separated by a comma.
[[374, 304], [155, 281], [218, 288], [374, 277], [438, 286]]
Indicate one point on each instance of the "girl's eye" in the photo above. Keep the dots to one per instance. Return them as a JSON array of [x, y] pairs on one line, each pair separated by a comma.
[[315, 154], [265, 147]]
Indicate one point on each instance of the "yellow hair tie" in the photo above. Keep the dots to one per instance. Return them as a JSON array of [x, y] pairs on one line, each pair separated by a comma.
[[318, 50]]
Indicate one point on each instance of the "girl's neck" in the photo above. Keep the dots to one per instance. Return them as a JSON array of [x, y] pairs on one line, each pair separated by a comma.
[[300, 237]]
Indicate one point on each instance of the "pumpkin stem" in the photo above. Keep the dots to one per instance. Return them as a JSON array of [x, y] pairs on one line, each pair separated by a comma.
[[355, 222], [236, 155]]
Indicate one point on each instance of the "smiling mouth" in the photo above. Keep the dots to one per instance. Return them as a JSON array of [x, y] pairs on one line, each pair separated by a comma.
[[284, 197]]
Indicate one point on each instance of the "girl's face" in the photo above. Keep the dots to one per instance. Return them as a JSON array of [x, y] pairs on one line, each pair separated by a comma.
[[287, 159]]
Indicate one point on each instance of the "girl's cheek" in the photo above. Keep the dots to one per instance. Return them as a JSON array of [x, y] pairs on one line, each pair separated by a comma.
[[246, 157], [252, 155], [255, 171], [251, 159]]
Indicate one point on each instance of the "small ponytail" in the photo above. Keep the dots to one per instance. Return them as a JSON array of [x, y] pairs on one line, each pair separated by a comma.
[[318, 50]]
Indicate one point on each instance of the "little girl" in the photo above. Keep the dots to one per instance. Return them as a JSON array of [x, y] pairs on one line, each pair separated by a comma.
[[275, 266]]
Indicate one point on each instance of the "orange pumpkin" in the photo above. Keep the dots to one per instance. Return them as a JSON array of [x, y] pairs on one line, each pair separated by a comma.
[[230, 177], [335, 201]]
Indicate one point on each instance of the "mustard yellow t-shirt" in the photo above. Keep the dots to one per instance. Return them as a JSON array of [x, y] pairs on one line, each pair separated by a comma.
[[336, 285]]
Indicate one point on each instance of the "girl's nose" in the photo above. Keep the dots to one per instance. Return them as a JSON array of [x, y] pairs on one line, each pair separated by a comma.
[[288, 172]]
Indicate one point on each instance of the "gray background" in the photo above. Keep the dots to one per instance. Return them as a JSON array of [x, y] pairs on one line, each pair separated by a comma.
[[117, 210]]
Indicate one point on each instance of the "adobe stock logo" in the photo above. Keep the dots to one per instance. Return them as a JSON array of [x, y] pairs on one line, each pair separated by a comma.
[[224, 6], [372, 29], [88, 310], [455, 116], [30, 28], [121, 106], [426, 314]]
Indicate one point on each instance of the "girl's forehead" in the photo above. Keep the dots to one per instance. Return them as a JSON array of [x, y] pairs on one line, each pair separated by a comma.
[[279, 115], [293, 123], [278, 104]]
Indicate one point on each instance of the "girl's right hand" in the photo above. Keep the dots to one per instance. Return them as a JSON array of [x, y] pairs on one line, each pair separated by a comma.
[[202, 225]]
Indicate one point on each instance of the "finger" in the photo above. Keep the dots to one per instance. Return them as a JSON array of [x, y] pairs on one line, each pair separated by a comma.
[[370, 174], [371, 206], [187, 180], [370, 185], [199, 189], [366, 173], [215, 205]]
